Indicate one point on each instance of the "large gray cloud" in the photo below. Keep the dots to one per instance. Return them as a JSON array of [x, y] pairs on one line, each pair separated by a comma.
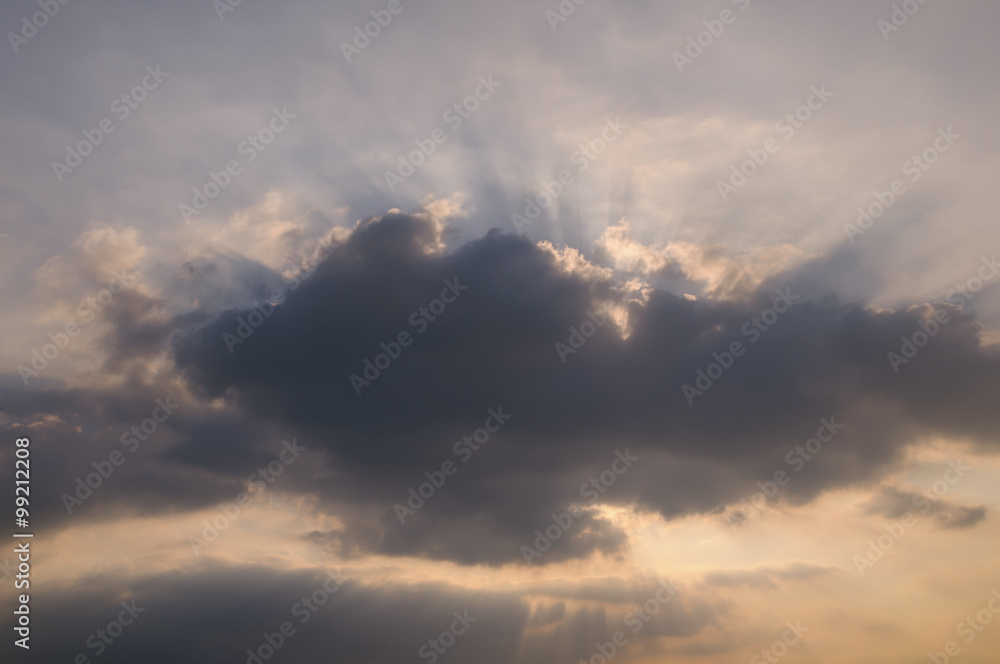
[[496, 346], [213, 613]]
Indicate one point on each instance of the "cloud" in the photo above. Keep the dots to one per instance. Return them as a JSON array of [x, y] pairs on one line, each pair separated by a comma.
[[765, 577], [495, 346], [893, 502], [708, 267], [222, 610]]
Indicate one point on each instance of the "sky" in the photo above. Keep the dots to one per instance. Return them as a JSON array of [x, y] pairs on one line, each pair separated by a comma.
[[515, 333]]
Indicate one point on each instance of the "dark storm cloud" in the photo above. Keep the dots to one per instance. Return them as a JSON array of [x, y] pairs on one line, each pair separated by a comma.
[[495, 347], [74, 434], [214, 614]]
